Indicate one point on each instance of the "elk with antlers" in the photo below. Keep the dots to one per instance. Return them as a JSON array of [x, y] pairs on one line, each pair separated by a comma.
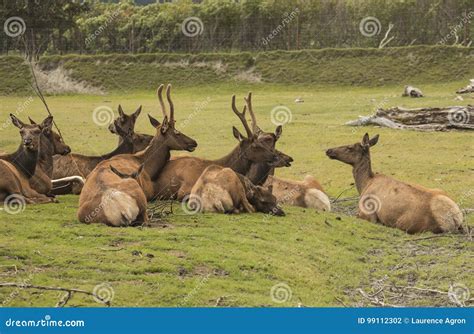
[[113, 200], [393, 203], [17, 169], [181, 173], [307, 193]]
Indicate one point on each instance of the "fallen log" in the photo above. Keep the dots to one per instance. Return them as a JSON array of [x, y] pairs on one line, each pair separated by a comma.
[[421, 119]]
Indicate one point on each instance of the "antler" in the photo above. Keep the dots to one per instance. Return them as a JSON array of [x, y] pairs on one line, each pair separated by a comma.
[[159, 93], [241, 116], [248, 100], [168, 97]]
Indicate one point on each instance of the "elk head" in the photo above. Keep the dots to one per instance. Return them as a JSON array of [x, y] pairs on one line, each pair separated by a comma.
[[134, 175], [31, 133], [53, 140], [251, 148], [355, 153], [173, 138], [261, 198], [126, 122]]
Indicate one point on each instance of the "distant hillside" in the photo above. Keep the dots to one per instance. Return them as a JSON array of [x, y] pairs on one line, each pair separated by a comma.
[[347, 67]]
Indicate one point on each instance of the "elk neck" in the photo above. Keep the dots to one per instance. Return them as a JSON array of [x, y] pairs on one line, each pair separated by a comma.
[[24, 160], [155, 156], [235, 161], [362, 172], [124, 147], [259, 172], [45, 156]]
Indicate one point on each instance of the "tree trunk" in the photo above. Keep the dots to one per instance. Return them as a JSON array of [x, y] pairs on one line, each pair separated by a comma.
[[421, 119]]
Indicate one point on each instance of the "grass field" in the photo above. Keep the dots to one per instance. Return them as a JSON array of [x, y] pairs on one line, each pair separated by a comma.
[[208, 260]]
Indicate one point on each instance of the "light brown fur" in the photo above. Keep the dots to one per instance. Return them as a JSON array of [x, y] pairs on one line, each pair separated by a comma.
[[219, 190], [307, 193], [393, 203], [125, 198]]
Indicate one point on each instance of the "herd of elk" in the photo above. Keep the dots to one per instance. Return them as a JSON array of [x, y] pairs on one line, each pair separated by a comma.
[[116, 187]]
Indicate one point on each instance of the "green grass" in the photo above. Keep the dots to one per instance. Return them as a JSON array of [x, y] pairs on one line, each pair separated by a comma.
[[199, 259], [362, 67]]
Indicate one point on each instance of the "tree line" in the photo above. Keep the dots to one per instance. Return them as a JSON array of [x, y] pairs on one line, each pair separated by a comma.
[[89, 27]]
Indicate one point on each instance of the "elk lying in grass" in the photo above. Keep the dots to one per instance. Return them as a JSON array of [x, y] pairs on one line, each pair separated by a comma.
[[220, 189], [110, 199], [77, 166], [180, 174], [393, 203], [127, 124], [307, 193], [50, 145], [17, 169]]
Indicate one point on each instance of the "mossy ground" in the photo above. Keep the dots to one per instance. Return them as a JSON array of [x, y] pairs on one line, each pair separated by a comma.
[[204, 260]]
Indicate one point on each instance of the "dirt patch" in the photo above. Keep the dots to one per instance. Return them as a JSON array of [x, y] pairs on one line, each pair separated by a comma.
[[59, 81], [249, 76]]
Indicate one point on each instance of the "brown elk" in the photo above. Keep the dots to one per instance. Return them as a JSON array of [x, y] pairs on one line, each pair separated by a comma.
[[71, 170], [16, 169], [51, 144], [180, 174], [127, 124], [307, 193], [110, 199], [220, 189], [393, 203]]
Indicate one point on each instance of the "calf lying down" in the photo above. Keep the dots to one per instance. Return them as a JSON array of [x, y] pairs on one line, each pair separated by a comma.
[[307, 193], [221, 190]]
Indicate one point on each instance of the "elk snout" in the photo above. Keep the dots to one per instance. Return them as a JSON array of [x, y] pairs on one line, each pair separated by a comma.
[[277, 211], [191, 146], [28, 142], [331, 153], [67, 150]]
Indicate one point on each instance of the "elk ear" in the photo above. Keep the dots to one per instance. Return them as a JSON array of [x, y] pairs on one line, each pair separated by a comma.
[[47, 124], [165, 125], [374, 140], [16, 122], [31, 121], [365, 140], [153, 121], [278, 132], [237, 134], [137, 112], [112, 168], [120, 111]]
